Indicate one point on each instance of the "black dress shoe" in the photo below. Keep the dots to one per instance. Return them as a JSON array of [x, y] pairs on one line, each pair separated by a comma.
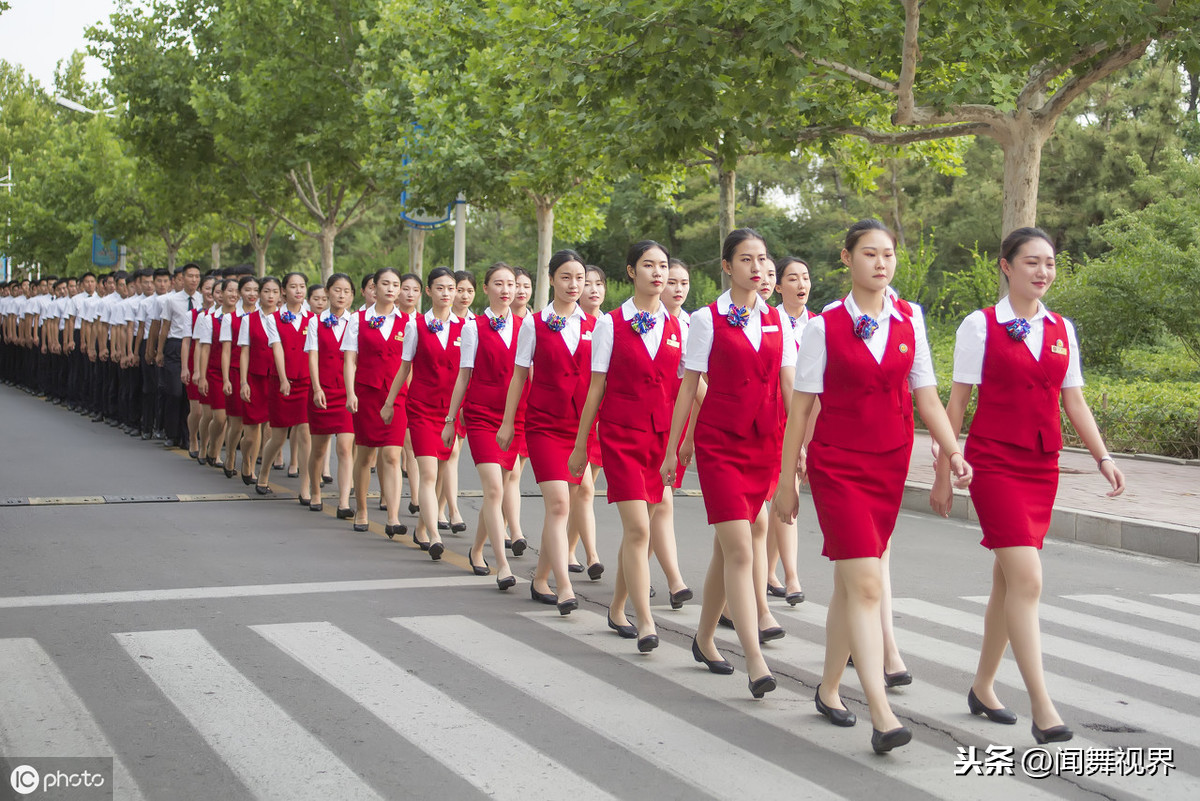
[[424, 546], [648, 643], [195, 455], [884, 741], [678, 598], [294, 475], [361, 526], [305, 501], [760, 687], [519, 546], [476, 569], [248, 480], [626, 631], [718, 666], [276, 467], [725, 621], [413, 508], [506, 583], [382, 506], [436, 549], [344, 513], [595, 571], [901, 678], [773, 633], [398, 529], [652, 592], [999, 715], [574, 567], [794, 598], [261, 490], [568, 606], [228, 473], [443, 526], [778, 592], [315, 507], [326, 480], [210, 461], [458, 528], [838, 717], [548, 598], [1054, 734], [507, 544]]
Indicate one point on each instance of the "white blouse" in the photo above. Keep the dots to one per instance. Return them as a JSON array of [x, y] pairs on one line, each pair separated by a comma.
[[700, 334]]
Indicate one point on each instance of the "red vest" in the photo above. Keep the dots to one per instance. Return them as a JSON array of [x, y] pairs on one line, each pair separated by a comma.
[[640, 391], [378, 361], [214, 354], [434, 370], [494, 363], [295, 360], [262, 360], [235, 350], [1019, 395], [866, 406], [560, 378], [743, 386], [331, 362]]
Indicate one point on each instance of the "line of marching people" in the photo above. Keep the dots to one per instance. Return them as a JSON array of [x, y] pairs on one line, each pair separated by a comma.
[[759, 398]]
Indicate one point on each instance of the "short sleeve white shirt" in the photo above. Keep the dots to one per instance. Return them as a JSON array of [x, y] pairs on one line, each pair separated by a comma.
[[971, 341], [700, 334], [527, 337]]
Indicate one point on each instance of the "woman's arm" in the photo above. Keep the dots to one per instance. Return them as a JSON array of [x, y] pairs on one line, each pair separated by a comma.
[[456, 399], [1080, 415], [577, 462], [507, 431], [683, 405]]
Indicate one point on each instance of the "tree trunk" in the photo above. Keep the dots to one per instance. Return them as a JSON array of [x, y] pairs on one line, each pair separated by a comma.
[[897, 222], [838, 189], [216, 257], [1193, 92], [726, 204], [545, 236], [329, 231], [1022, 148], [260, 256], [460, 233], [416, 251]]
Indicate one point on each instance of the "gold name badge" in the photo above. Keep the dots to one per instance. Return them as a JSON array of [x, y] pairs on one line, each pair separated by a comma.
[[458, 342], [673, 342], [400, 337], [1058, 348]]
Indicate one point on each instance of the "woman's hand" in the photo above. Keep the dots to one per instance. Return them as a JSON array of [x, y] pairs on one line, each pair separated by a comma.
[[577, 461], [351, 401], [285, 386], [941, 497], [448, 435], [202, 385], [1109, 469], [786, 502], [318, 397], [687, 449], [246, 392], [961, 470], [669, 466], [387, 412], [227, 387], [505, 435]]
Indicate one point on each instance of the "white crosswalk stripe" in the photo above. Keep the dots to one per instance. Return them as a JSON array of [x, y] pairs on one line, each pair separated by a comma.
[[692, 755], [273, 755], [1183, 597], [276, 757]]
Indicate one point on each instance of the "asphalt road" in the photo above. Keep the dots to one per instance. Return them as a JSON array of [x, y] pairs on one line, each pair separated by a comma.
[[253, 649]]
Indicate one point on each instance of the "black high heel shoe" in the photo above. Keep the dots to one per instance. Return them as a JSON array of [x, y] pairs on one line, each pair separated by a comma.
[[773, 633], [718, 666], [1054, 734], [595, 570], [678, 598], [901, 678], [506, 583], [648, 643], [794, 598], [361, 526], [778, 592], [326, 480], [398, 529], [519, 546], [760, 687], [486, 570], [248, 480], [568, 606], [458, 528], [884, 741], [210, 461], [626, 631], [315, 507], [838, 717], [548, 598], [228, 473], [413, 508], [345, 513], [436, 549], [305, 501], [998, 715], [725, 621], [261, 490], [424, 546]]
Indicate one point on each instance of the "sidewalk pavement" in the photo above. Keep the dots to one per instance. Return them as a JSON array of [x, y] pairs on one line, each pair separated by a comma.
[[1159, 513]]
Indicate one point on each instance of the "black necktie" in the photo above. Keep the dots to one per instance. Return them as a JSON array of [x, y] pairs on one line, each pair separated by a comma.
[[191, 303]]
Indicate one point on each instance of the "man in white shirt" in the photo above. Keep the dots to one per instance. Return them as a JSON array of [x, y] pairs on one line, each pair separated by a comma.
[[176, 323], [151, 372], [73, 340]]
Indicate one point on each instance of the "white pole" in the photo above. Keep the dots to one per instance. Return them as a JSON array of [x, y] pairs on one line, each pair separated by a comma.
[[460, 233]]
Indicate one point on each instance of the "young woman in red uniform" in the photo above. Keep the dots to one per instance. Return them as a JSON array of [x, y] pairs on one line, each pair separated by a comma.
[[231, 373], [318, 304], [782, 543], [489, 351], [408, 301], [327, 414], [432, 357], [633, 405], [748, 356], [582, 527], [515, 537], [211, 381], [288, 406], [554, 344], [867, 358], [258, 371], [374, 346], [1024, 359], [189, 361], [449, 516]]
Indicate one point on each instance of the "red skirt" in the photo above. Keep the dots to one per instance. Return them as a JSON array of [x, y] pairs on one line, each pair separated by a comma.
[[233, 402], [425, 432], [595, 453], [192, 390], [857, 497], [292, 410], [679, 468], [215, 397], [369, 429], [1013, 492], [334, 418], [460, 426], [258, 408], [735, 481], [633, 459], [481, 438], [521, 444], [549, 451]]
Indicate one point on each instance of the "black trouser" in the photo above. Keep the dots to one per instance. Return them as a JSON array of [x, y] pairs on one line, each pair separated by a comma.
[[149, 390], [172, 391]]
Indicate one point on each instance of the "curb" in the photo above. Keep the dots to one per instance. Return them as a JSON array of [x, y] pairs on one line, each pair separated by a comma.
[[1150, 537]]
